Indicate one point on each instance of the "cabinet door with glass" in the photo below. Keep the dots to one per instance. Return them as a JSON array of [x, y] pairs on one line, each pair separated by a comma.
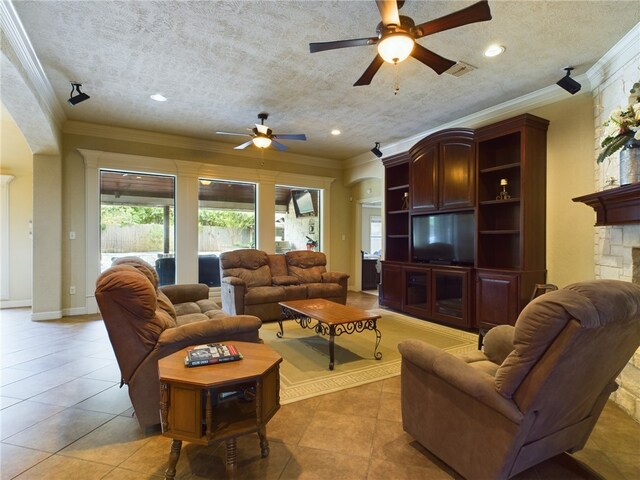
[[450, 293], [417, 300]]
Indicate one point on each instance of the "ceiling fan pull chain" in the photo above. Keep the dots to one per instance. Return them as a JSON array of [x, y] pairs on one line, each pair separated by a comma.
[[396, 81]]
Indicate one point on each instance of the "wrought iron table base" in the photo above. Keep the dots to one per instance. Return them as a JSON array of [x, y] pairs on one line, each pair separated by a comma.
[[333, 331]]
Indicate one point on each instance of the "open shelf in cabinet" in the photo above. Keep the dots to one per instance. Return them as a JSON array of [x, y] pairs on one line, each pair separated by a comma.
[[499, 249], [499, 215], [503, 151]]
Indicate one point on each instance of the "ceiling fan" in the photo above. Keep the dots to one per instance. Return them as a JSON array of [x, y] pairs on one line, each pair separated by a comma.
[[397, 35], [263, 136]]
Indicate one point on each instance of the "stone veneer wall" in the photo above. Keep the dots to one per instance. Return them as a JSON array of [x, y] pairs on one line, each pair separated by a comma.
[[617, 248]]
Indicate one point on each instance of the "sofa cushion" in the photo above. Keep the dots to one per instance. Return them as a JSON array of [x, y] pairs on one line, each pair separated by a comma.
[[248, 264], [249, 258], [187, 308], [285, 280], [257, 295], [323, 290], [278, 264], [295, 292], [207, 305], [260, 277], [216, 314], [307, 266]]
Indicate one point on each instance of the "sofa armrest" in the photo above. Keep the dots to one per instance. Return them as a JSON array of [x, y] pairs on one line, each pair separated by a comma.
[[240, 327], [189, 292], [335, 277], [460, 375], [498, 343], [232, 292], [235, 281]]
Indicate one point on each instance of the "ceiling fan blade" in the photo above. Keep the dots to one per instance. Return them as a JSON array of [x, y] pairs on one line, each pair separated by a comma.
[[432, 60], [478, 12], [233, 133], [388, 12], [278, 146], [355, 42], [291, 136], [371, 70], [243, 146]]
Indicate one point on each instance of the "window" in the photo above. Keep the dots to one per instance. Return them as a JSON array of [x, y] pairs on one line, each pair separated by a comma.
[[137, 218], [226, 221], [297, 218], [375, 234]]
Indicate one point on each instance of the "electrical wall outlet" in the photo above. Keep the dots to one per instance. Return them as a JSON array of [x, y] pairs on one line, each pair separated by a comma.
[[72, 290]]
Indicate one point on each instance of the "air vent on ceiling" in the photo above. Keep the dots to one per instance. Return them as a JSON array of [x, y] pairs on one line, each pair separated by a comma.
[[460, 69]]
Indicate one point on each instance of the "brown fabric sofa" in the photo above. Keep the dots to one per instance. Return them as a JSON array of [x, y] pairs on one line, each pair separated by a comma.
[[253, 282], [536, 391], [145, 324]]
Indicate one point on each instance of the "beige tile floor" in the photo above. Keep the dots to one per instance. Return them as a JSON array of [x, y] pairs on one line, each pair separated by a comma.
[[63, 416]]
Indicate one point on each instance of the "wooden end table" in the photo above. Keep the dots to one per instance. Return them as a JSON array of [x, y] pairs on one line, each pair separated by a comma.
[[213, 403], [332, 319]]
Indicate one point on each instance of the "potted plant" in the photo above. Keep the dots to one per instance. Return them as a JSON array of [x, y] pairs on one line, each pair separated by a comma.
[[622, 131]]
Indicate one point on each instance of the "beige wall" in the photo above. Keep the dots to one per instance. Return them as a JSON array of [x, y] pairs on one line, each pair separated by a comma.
[[16, 160], [569, 174]]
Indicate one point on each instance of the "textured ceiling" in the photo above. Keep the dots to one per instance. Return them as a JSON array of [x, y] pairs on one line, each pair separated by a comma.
[[221, 62]]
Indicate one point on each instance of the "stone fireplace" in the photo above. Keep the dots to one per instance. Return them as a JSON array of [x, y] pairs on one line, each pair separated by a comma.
[[617, 247]]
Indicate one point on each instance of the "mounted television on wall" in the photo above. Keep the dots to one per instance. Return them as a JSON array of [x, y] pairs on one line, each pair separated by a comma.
[[303, 203]]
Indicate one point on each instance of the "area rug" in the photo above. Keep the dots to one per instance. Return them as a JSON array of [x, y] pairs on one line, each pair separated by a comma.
[[305, 373]]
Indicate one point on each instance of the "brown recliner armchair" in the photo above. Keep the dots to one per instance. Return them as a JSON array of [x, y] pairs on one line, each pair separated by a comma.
[[144, 325], [536, 391]]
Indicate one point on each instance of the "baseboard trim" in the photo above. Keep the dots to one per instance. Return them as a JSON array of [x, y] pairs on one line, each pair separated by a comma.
[[15, 303], [43, 316], [69, 312]]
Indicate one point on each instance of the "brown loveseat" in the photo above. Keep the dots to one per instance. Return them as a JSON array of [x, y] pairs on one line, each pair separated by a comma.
[[253, 282], [145, 324], [536, 391]]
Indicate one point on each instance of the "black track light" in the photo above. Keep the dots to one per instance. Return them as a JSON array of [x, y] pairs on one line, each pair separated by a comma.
[[80, 97], [376, 150], [568, 83]]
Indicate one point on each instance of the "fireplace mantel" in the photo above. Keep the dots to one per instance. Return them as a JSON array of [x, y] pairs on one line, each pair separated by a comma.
[[616, 206]]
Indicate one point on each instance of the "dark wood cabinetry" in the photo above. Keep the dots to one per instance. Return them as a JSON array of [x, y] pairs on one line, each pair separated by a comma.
[[441, 293], [442, 172], [511, 228], [466, 170], [397, 208]]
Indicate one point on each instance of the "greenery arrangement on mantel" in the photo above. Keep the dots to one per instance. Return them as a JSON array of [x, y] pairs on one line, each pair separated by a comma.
[[622, 126]]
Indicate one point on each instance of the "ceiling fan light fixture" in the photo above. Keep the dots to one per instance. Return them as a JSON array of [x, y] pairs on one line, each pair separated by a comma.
[[395, 47], [261, 141]]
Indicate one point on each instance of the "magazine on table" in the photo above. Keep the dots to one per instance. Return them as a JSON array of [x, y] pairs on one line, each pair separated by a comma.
[[210, 354]]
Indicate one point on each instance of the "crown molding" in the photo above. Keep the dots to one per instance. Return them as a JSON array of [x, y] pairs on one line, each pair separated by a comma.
[[539, 98], [619, 55], [73, 127], [25, 54]]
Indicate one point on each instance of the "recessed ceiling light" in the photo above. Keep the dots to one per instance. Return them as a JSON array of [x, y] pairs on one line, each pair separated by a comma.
[[158, 97], [494, 51], [335, 131]]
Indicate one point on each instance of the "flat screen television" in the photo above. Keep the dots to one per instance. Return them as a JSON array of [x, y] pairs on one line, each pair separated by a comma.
[[446, 238], [303, 203]]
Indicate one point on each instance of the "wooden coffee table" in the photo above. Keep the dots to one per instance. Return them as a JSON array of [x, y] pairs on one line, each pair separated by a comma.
[[332, 319], [220, 402]]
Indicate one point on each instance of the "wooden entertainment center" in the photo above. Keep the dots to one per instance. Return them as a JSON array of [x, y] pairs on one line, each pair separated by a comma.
[[465, 217]]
